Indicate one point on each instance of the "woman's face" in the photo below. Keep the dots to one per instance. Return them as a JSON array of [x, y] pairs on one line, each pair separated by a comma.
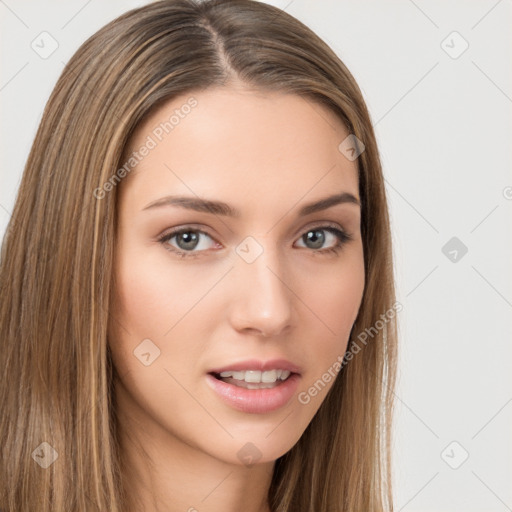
[[262, 282]]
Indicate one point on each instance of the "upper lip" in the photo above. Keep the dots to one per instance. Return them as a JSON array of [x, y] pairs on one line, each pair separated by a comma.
[[254, 364]]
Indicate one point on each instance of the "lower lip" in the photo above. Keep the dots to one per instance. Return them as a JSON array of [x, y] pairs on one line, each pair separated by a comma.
[[256, 401]]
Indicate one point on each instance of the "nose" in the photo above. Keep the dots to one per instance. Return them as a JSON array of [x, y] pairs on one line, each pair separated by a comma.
[[263, 300]]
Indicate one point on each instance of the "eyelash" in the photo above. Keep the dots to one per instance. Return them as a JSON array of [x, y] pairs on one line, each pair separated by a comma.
[[342, 237]]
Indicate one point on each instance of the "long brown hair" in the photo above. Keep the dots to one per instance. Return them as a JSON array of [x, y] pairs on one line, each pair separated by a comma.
[[56, 395]]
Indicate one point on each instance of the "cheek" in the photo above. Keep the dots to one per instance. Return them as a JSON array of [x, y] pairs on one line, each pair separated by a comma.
[[141, 308], [153, 296], [155, 337], [334, 293], [163, 302], [333, 298]]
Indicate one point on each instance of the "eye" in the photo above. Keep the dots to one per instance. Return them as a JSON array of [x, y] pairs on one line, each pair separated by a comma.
[[316, 238], [191, 242], [187, 240]]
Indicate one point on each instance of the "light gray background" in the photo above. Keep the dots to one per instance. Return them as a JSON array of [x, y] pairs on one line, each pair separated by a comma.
[[444, 128]]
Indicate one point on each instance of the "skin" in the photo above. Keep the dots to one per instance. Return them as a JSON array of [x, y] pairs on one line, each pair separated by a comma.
[[265, 154]]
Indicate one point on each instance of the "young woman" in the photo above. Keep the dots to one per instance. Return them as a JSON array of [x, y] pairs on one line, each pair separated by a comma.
[[198, 309]]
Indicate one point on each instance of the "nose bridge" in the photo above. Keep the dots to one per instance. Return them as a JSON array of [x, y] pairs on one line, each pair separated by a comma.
[[264, 300]]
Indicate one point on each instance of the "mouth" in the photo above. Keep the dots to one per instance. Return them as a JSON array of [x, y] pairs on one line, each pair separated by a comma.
[[254, 386], [254, 379]]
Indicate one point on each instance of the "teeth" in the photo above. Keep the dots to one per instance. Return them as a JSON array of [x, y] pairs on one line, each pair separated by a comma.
[[252, 376], [256, 376], [270, 376]]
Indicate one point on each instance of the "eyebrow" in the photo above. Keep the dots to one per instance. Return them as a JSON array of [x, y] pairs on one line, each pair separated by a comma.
[[220, 208]]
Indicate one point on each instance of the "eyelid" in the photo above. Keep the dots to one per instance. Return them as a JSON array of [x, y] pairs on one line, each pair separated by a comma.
[[322, 224]]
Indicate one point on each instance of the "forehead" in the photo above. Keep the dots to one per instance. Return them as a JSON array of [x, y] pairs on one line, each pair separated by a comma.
[[243, 143]]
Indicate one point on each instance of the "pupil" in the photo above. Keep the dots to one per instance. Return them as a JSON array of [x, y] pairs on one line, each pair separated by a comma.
[[318, 241]]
